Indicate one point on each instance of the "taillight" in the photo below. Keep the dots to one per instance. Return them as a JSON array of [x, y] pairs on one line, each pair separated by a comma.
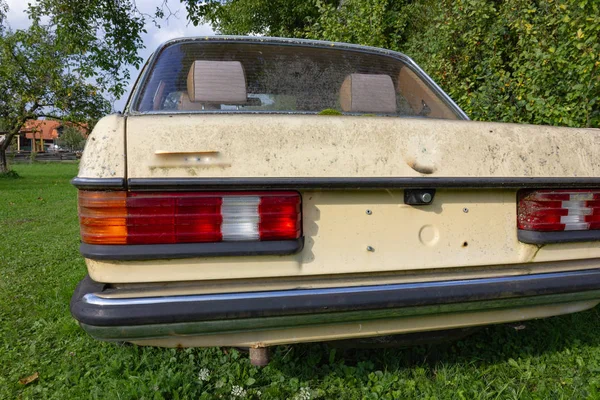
[[558, 210], [187, 217]]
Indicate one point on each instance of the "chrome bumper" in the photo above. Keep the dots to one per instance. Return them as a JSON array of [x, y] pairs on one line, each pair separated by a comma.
[[156, 317]]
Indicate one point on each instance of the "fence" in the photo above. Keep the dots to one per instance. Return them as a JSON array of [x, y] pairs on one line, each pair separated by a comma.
[[25, 156]]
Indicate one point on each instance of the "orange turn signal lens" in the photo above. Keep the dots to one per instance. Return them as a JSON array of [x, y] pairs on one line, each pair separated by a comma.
[[103, 217]]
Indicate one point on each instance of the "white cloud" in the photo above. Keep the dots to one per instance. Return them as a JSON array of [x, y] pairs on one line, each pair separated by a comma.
[[17, 17], [176, 26]]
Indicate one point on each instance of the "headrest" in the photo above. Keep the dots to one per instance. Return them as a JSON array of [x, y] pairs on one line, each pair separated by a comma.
[[368, 93], [217, 82]]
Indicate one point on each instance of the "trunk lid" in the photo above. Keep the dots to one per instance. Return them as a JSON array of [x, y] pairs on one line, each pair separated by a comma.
[[230, 145]]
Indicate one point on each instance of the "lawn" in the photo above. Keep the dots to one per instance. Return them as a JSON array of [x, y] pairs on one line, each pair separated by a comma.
[[557, 358]]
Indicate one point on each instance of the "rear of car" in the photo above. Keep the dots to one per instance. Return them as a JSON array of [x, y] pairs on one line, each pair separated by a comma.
[[265, 191]]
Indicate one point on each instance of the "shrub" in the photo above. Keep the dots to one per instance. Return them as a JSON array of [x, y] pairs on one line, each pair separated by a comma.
[[517, 60], [527, 61]]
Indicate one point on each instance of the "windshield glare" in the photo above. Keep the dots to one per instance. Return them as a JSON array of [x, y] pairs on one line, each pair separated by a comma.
[[201, 76]]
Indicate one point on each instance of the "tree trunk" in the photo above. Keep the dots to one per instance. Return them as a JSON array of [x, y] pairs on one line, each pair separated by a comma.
[[4, 146], [15, 127], [3, 163]]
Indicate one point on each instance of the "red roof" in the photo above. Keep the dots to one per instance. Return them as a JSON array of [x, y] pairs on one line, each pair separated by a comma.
[[44, 129]]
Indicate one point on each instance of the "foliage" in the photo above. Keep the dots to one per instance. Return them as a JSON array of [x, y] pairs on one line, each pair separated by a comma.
[[330, 111], [40, 266], [528, 61], [3, 11], [71, 138], [286, 18], [101, 37], [379, 23], [516, 61]]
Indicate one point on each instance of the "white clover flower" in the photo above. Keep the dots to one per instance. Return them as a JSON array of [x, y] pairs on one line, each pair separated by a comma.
[[204, 374], [238, 391], [303, 394]]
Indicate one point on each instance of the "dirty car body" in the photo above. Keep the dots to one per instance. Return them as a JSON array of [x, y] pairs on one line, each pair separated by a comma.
[[223, 208]]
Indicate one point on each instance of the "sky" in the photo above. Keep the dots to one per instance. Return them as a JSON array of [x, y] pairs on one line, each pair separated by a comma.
[[176, 26]]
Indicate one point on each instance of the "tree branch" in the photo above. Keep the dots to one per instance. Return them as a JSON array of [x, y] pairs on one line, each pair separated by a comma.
[[18, 62]]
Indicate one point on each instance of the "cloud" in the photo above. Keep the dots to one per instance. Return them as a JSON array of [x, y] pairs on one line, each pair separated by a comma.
[[17, 17]]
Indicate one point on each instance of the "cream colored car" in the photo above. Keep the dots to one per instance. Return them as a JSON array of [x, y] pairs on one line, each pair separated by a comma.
[[262, 191]]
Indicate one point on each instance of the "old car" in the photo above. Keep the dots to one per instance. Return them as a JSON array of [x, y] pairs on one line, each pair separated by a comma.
[[262, 191]]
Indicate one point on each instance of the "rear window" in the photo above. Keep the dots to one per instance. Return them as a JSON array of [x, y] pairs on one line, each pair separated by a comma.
[[213, 77]]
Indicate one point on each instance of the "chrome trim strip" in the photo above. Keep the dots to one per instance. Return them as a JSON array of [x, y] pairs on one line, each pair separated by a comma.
[[93, 299]]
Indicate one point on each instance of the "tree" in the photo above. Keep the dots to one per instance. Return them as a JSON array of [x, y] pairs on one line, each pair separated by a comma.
[[287, 18], [74, 53], [101, 37], [71, 138], [37, 80]]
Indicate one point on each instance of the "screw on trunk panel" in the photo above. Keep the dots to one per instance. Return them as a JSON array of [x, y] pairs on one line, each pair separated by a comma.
[[370, 248], [465, 210], [369, 212], [426, 197], [259, 356]]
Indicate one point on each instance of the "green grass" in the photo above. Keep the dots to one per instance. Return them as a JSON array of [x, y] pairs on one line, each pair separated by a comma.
[[557, 358]]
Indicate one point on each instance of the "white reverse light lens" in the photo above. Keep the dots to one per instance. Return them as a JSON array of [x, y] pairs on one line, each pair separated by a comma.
[[240, 218]]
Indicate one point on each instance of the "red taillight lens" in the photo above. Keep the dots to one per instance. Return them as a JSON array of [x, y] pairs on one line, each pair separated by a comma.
[[558, 210], [279, 217], [188, 217]]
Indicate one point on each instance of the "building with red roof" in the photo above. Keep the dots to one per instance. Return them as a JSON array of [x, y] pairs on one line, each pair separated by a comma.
[[41, 134]]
